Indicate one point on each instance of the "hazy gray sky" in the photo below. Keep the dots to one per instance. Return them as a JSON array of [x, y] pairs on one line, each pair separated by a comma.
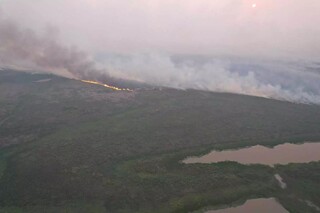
[[276, 28]]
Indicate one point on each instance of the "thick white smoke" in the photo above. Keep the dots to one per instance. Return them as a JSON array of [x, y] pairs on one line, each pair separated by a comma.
[[296, 82], [24, 47], [286, 81]]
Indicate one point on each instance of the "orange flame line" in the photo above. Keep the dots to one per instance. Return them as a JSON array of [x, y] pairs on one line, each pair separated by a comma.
[[106, 85]]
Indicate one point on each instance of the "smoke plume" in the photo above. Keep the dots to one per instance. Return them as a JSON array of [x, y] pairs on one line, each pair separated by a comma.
[[296, 82], [25, 48], [291, 81]]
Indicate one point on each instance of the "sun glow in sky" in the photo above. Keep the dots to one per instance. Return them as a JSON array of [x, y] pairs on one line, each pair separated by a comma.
[[244, 27]]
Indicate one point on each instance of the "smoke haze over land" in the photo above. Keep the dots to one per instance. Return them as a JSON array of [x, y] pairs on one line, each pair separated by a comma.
[[281, 80], [159, 42], [23, 47]]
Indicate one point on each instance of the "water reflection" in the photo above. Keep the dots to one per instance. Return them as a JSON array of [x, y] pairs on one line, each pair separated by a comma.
[[281, 154], [257, 205]]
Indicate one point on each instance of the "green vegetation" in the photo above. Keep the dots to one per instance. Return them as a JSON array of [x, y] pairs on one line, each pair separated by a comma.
[[303, 185], [67, 145]]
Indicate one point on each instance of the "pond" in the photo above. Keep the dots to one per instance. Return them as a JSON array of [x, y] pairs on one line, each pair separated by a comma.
[[281, 154], [269, 205]]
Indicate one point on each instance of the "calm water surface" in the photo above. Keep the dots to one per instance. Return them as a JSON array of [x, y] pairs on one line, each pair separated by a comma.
[[255, 206], [281, 154]]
